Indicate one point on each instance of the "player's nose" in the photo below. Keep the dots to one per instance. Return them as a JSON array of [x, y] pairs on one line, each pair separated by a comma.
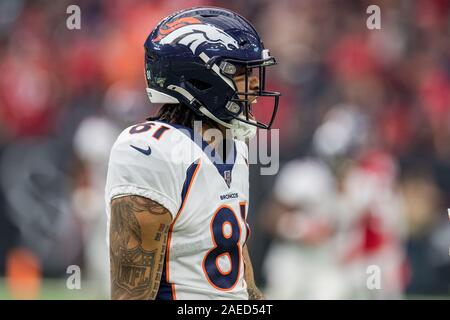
[[254, 83]]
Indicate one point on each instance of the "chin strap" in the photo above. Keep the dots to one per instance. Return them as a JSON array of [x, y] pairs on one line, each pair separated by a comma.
[[239, 130]]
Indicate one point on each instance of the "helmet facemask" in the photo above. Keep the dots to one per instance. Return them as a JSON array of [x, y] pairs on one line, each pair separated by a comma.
[[240, 105]]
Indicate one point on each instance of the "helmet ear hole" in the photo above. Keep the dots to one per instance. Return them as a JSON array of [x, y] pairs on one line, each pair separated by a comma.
[[199, 85]]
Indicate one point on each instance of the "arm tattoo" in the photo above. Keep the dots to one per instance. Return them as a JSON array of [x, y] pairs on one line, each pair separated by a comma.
[[254, 293], [138, 236]]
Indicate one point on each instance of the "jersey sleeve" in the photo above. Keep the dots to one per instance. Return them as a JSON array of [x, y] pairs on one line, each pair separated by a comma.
[[143, 166]]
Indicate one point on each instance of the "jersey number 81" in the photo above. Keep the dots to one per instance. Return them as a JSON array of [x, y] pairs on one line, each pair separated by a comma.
[[226, 235]]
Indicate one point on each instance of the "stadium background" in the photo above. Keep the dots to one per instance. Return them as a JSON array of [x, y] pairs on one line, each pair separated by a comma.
[[65, 94]]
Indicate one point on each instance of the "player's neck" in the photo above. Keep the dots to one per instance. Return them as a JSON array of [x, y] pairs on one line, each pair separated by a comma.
[[218, 144]]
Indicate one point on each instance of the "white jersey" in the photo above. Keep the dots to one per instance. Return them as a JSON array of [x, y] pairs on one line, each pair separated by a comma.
[[208, 201]]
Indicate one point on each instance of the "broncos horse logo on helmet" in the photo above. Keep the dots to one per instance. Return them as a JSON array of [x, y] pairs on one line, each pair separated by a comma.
[[194, 35], [192, 57]]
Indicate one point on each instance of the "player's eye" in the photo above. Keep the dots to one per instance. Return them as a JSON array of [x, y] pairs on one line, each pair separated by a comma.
[[242, 70]]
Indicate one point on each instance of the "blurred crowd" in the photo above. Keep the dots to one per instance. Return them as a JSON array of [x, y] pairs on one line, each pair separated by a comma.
[[364, 128]]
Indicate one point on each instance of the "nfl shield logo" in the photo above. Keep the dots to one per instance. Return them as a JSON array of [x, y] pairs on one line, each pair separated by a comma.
[[227, 177]]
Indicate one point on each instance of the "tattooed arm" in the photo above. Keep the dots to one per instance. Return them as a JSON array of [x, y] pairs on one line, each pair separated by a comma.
[[253, 291], [138, 238]]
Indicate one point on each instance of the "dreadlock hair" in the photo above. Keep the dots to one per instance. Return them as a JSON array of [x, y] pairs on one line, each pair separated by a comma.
[[181, 115]]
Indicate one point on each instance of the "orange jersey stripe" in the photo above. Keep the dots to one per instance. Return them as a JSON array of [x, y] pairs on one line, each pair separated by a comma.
[[173, 224]]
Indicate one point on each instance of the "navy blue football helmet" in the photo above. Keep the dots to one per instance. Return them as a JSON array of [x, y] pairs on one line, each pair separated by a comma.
[[192, 56]]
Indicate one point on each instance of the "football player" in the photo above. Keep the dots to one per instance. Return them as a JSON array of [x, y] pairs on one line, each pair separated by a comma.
[[177, 211]]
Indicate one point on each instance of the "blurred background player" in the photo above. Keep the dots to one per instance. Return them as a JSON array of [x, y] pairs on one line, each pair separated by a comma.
[[333, 217]]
